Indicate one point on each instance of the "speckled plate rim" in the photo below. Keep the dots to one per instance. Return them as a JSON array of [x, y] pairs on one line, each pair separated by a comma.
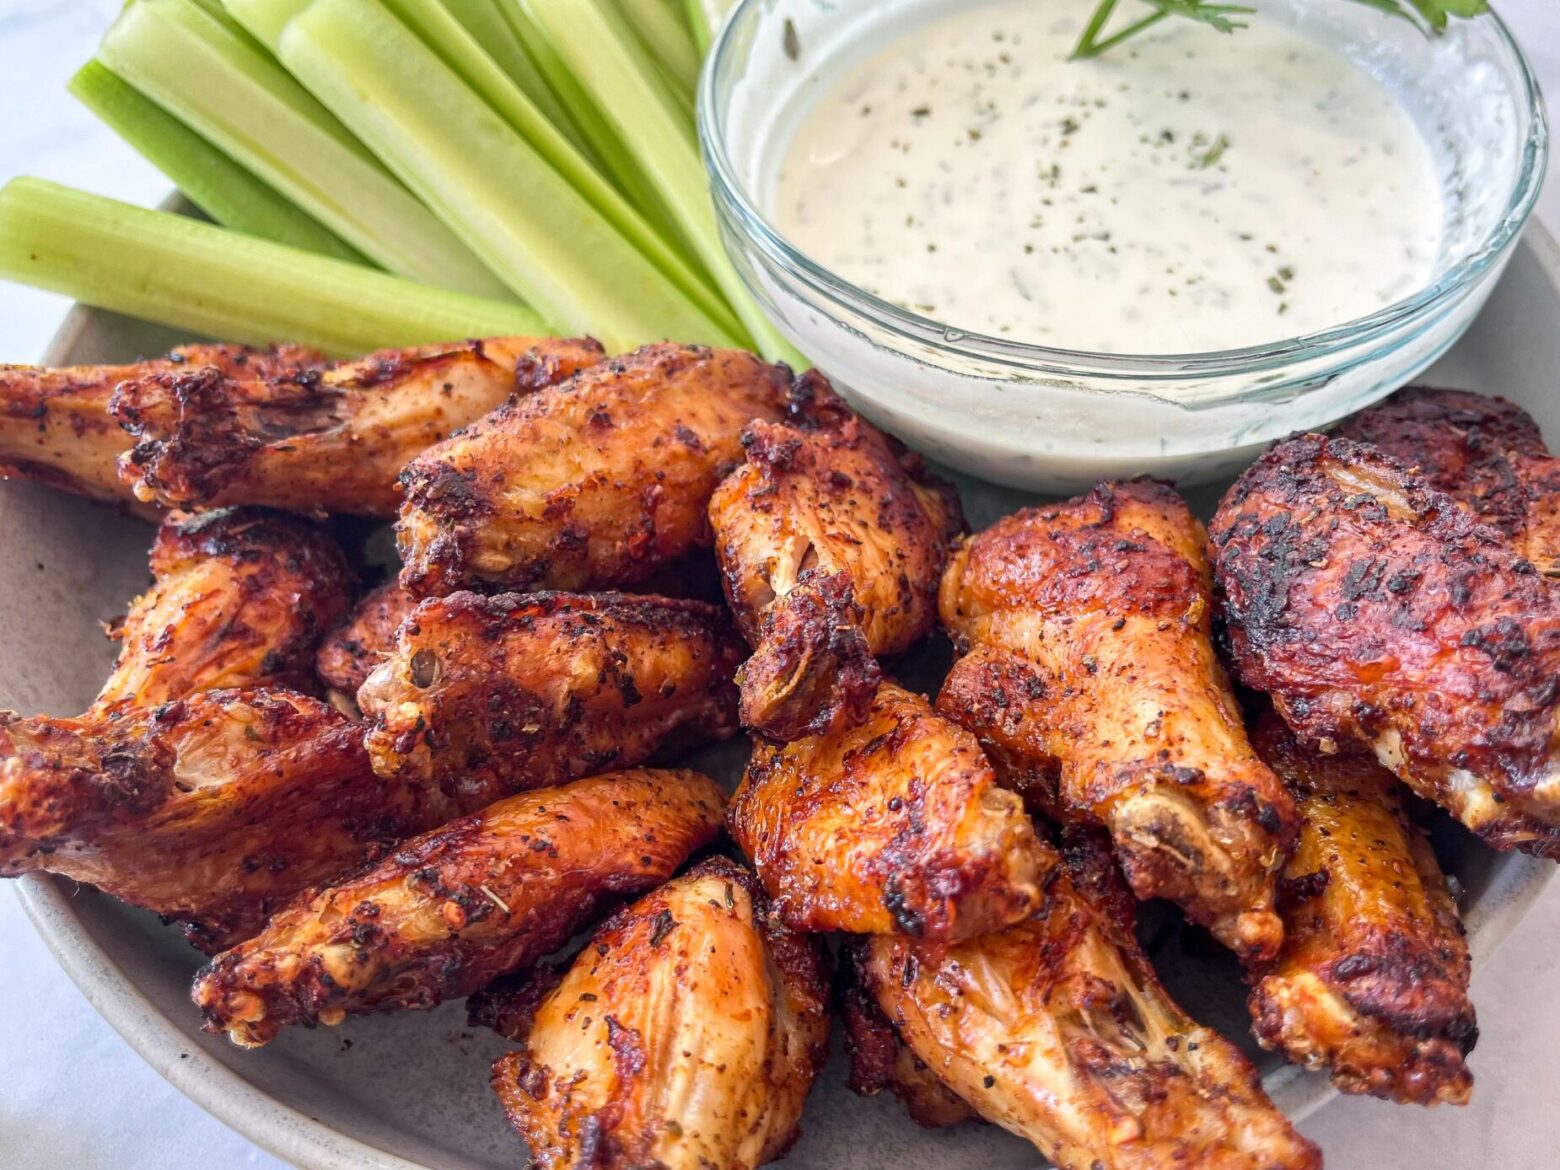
[[311, 1144]]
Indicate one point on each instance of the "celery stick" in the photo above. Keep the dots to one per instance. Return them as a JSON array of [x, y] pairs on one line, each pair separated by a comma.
[[705, 18], [615, 72], [245, 104], [484, 180], [194, 276], [455, 46], [666, 36], [215, 183]]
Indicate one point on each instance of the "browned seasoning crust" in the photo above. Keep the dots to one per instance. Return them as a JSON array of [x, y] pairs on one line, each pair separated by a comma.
[[592, 483], [212, 809], [55, 426], [453, 909], [1377, 611], [491, 695], [880, 1060], [1372, 983], [686, 1035], [1058, 1030], [330, 440], [240, 599], [1090, 678], [353, 649], [895, 825], [831, 539]]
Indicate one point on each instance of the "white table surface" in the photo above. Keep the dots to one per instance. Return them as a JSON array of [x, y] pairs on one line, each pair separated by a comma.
[[75, 1096]]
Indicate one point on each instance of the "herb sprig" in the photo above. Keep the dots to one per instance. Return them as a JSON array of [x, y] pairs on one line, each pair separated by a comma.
[[1429, 15]]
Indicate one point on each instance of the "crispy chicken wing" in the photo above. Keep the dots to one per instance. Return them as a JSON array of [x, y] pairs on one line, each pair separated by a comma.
[[831, 540], [212, 809], [685, 1036], [880, 1060], [240, 599], [1376, 611], [1058, 1030], [329, 440], [55, 426], [453, 909], [1091, 679], [595, 482], [1372, 982], [895, 825], [353, 649], [490, 695]]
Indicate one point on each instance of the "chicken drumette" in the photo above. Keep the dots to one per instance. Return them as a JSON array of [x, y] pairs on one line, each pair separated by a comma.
[[1090, 676], [353, 649], [453, 909]]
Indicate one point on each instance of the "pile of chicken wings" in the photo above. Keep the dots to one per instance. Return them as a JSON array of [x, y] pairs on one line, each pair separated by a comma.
[[360, 801]]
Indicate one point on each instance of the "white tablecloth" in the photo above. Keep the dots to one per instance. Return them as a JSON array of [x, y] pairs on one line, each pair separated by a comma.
[[75, 1096]]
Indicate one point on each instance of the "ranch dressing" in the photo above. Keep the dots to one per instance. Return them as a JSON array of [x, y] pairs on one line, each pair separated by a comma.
[[1186, 192]]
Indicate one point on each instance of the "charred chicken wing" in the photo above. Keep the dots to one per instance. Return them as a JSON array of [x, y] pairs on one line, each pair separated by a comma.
[[55, 426], [491, 695], [453, 909], [831, 541], [594, 482], [897, 824], [1372, 982], [1377, 611], [240, 599], [1091, 679], [685, 1036], [329, 440], [352, 650]]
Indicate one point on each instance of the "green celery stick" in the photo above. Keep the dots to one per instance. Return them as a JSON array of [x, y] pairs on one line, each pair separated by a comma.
[[615, 72], [195, 276], [666, 36], [208, 178], [244, 103], [483, 180], [705, 18]]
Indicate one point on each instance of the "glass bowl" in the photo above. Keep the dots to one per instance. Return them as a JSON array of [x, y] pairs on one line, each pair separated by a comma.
[[1056, 420]]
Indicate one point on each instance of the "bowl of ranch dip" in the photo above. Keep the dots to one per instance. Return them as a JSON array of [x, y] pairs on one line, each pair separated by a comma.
[[1046, 271]]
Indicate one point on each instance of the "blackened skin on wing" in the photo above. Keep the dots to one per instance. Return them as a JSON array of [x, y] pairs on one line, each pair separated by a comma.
[[353, 649]]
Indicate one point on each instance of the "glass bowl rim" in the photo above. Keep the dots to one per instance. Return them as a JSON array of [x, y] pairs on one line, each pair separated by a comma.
[[1449, 286]]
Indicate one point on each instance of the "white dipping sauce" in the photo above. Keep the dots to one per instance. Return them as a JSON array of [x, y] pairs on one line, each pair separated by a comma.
[[1188, 191]]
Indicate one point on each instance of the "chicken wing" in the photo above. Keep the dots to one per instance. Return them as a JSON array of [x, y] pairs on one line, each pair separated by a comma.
[[685, 1036], [452, 910], [353, 649], [1376, 611], [329, 440], [831, 540], [591, 483], [55, 426], [895, 825], [1486, 453], [1091, 679], [240, 599], [1372, 982], [880, 1060], [212, 809], [1058, 1030], [491, 695]]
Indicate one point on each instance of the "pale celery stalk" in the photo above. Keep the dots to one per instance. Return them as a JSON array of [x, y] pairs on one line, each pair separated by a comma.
[[666, 36], [205, 279], [705, 18], [208, 178], [483, 180], [442, 33], [244, 103], [613, 69]]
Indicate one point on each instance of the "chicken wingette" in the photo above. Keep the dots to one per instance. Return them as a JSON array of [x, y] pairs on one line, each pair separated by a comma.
[[1372, 983], [452, 910], [592, 483], [897, 824], [330, 440], [1090, 677], [831, 540], [685, 1036], [1058, 1030], [240, 598], [491, 695], [1377, 611], [353, 649], [55, 426]]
